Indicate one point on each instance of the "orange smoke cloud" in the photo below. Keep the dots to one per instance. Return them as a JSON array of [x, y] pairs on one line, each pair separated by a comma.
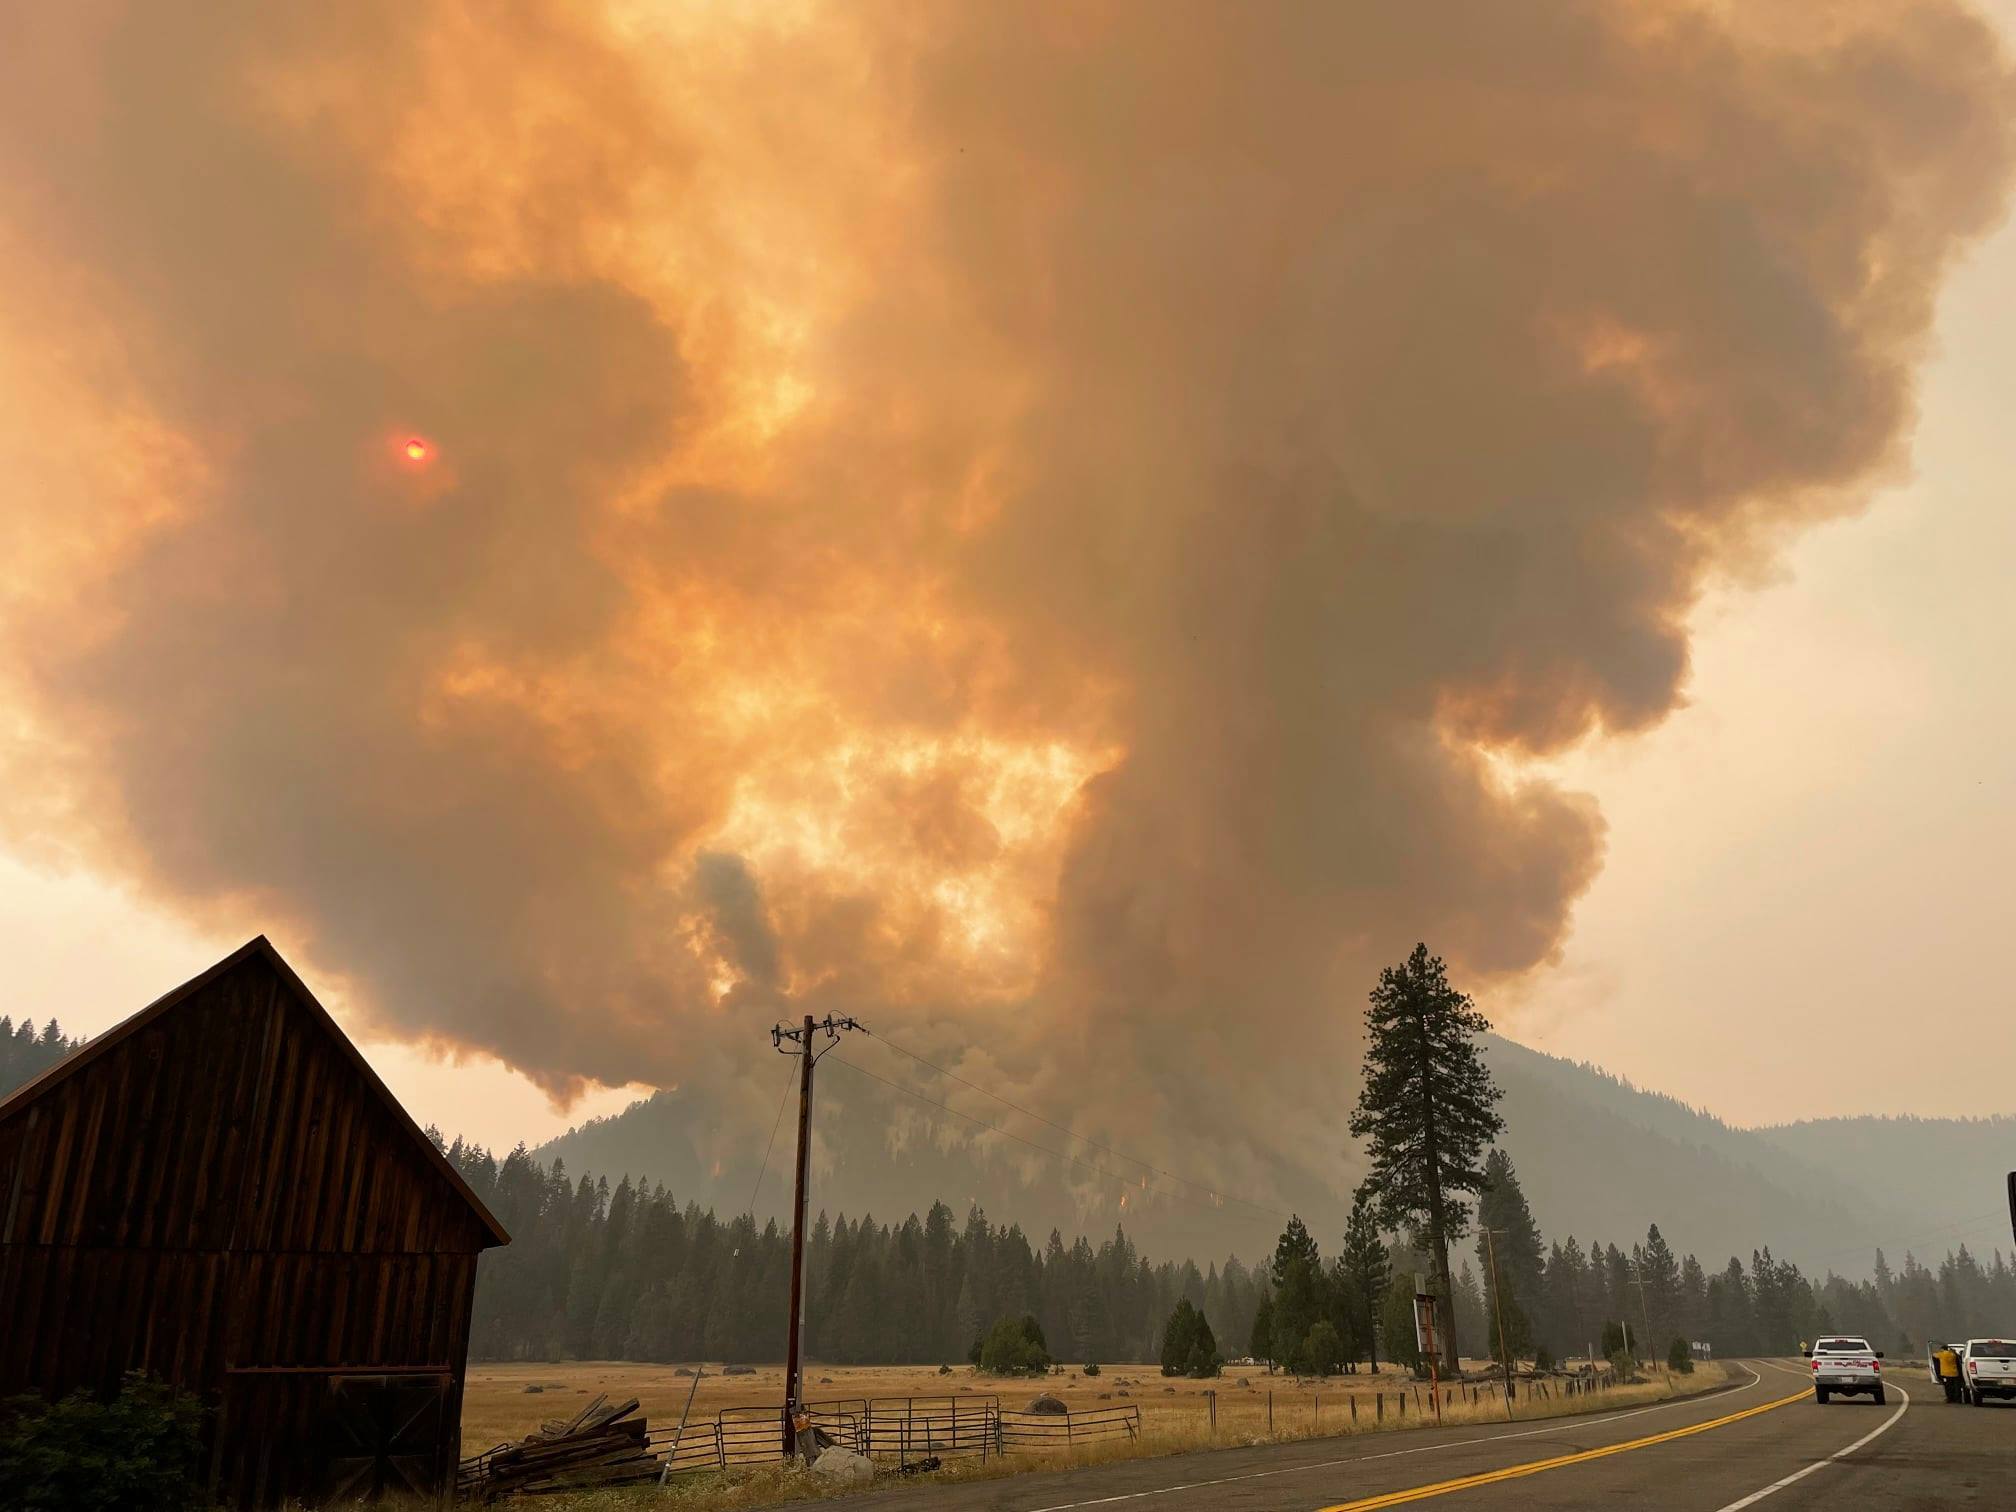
[[1062, 521]]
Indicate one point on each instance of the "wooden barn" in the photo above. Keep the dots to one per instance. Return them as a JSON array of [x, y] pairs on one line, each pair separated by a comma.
[[221, 1192]]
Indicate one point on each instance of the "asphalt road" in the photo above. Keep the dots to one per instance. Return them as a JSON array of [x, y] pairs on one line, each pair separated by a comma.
[[1764, 1442]]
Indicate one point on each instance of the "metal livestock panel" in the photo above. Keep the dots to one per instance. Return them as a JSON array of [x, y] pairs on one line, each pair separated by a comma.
[[1061, 1430], [914, 1427]]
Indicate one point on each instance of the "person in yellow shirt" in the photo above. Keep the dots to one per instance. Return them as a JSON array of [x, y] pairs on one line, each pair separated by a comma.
[[1946, 1370]]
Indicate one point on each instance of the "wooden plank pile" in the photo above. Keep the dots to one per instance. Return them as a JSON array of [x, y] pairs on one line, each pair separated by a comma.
[[602, 1445]]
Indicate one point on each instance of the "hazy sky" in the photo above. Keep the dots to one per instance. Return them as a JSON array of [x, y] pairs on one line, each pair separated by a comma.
[[1808, 878], [949, 717]]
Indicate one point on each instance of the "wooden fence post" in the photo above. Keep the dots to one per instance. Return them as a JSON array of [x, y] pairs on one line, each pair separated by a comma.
[[1379, 1402], [1270, 1414], [1354, 1409]]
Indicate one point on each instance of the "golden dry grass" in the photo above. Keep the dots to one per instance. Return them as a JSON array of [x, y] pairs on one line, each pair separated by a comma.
[[1175, 1415], [496, 1405]]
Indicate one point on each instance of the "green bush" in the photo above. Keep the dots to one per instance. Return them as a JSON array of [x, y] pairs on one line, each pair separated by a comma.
[[139, 1451], [1679, 1357], [1014, 1346], [1091, 1367], [1543, 1358], [1613, 1339], [1188, 1347], [1322, 1352], [1623, 1367]]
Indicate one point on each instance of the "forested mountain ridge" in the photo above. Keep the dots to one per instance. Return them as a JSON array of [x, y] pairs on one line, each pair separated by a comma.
[[1596, 1154], [624, 1271], [1951, 1169]]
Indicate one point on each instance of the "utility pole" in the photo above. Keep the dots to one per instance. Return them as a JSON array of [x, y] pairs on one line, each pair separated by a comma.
[[797, 1429], [1644, 1307], [1498, 1298]]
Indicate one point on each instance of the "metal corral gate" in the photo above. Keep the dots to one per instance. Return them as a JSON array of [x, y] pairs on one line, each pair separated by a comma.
[[898, 1428], [1067, 1430]]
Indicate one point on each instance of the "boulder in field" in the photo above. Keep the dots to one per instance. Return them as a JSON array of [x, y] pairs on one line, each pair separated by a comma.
[[1045, 1403], [844, 1466]]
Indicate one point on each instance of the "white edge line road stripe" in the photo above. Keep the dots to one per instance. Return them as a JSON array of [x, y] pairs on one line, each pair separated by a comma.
[[1554, 1425], [1797, 1475]]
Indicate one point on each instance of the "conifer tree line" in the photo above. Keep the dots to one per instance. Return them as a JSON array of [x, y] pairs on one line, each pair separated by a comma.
[[1561, 1299], [595, 1272], [26, 1052]]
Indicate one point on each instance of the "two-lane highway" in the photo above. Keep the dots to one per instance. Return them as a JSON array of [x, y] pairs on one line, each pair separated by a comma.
[[1763, 1442]]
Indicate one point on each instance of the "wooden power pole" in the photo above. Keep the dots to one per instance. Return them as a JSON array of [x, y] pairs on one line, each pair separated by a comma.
[[1498, 1300], [796, 1428]]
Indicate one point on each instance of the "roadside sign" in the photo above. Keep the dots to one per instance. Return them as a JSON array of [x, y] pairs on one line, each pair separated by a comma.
[[1424, 1322]]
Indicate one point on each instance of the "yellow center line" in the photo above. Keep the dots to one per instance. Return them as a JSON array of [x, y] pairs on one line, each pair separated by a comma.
[[1534, 1467]]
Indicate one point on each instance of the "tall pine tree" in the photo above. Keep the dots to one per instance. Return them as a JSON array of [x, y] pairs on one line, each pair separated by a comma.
[[1365, 1267], [1298, 1292], [1511, 1259], [1427, 1110]]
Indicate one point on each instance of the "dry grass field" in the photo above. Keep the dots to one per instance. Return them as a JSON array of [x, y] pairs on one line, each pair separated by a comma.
[[497, 1406], [1174, 1414]]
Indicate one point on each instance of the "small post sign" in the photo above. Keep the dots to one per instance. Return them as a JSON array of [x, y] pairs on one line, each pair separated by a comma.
[[1424, 1340]]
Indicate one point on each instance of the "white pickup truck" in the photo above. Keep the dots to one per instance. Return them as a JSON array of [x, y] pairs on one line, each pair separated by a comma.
[[1987, 1369], [1846, 1366]]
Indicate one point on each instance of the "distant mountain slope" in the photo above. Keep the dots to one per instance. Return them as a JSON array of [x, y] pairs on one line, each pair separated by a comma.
[[1949, 1173], [1599, 1158]]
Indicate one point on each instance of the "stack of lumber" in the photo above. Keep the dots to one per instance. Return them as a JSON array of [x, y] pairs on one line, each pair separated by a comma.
[[602, 1445]]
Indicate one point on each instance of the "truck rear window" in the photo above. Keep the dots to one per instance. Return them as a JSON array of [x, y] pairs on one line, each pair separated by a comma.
[[1841, 1346], [1994, 1349]]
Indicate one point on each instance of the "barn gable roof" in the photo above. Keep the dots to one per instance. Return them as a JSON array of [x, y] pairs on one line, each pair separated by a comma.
[[262, 949]]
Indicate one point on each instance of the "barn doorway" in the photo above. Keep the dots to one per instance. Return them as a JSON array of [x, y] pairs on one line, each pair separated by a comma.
[[385, 1435]]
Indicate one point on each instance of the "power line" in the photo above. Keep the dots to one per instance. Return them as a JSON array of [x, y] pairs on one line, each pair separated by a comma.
[[775, 1124], [1130, 1182], [1065, 1129]]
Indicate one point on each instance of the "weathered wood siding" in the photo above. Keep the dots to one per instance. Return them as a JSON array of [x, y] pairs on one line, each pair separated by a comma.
[[223, 1197], [231, 1123]]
